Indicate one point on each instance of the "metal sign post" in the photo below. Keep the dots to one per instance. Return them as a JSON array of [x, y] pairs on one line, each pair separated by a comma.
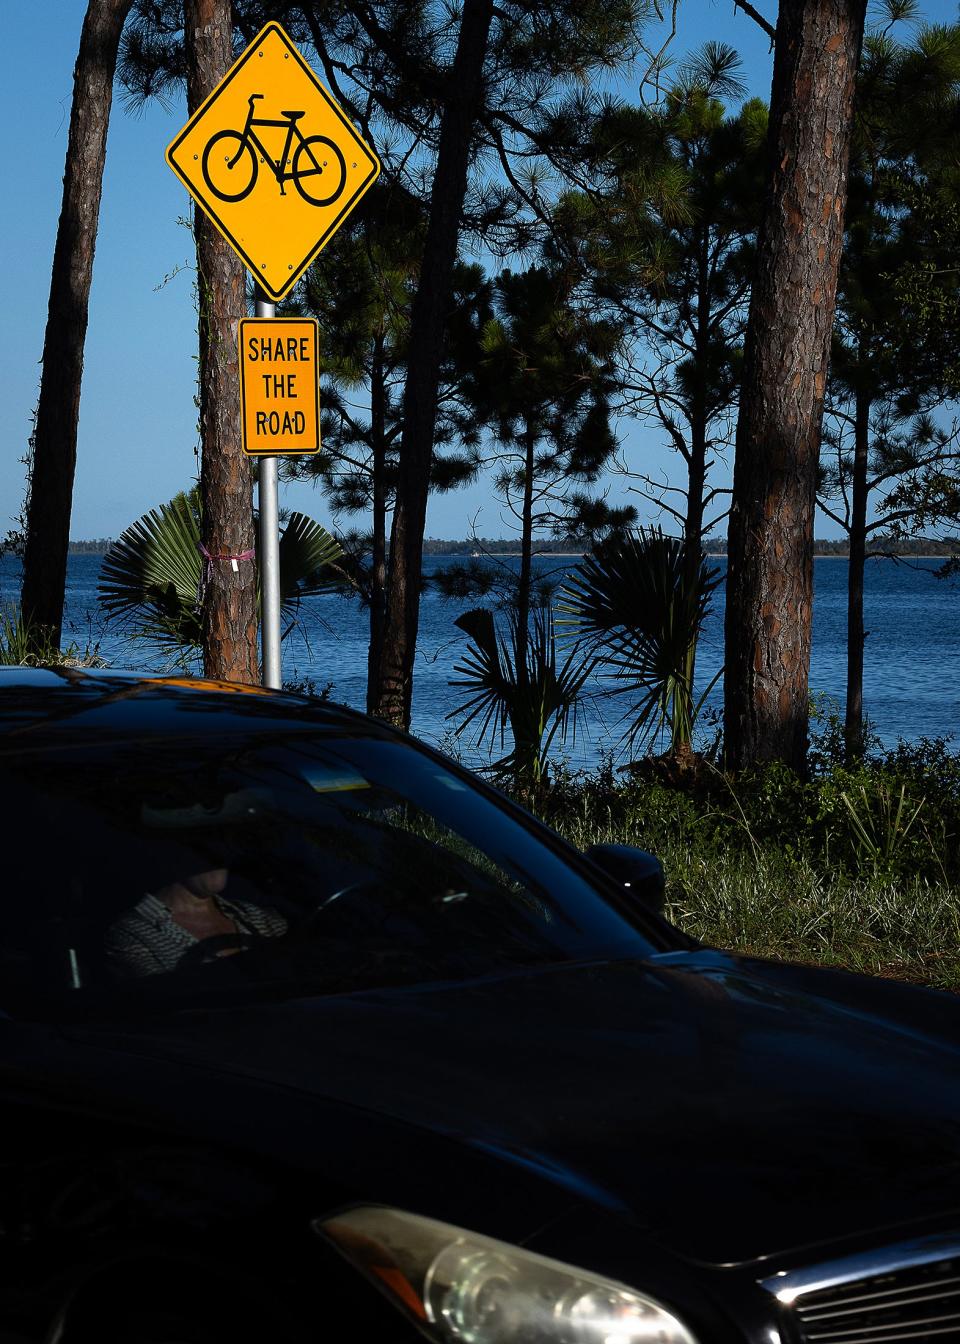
[[269, 549]]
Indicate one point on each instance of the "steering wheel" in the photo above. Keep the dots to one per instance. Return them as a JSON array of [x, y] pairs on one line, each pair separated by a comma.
[[340, 899], [214, 949]]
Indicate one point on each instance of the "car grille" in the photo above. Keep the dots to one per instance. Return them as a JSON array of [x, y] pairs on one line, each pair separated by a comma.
[[916, 1303], [910, 1291]]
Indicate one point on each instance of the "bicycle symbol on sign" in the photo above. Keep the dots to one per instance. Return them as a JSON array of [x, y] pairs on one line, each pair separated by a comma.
[[230, 164]]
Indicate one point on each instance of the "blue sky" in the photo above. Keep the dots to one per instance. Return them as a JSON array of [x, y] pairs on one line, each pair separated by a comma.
[[137, 432]]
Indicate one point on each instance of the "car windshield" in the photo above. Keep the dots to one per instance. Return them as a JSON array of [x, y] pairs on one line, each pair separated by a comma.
[[177, 874]]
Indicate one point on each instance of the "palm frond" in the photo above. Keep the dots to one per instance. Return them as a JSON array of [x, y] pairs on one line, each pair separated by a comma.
[[307, 552], [151, 576], [537, 703], [639, 606]]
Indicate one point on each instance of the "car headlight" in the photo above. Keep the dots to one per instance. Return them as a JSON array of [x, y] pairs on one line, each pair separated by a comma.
[[458, 1286]]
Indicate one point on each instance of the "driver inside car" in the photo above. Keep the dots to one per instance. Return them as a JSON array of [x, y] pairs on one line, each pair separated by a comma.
[[166, 924]]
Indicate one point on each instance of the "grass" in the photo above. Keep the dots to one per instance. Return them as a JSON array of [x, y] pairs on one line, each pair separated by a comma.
[[908, 930], [824, 872], [24, 646]]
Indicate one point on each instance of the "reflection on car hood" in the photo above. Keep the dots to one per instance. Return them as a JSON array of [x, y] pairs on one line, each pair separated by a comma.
[[734, 1108]]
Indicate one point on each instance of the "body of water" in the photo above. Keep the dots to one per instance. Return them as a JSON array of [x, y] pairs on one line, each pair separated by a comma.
[[911, 686]]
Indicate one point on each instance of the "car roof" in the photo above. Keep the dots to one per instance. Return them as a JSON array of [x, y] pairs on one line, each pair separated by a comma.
[[43, 706]]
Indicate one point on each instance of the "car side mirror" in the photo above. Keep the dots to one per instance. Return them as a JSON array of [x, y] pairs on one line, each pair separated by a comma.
[[637, 871]]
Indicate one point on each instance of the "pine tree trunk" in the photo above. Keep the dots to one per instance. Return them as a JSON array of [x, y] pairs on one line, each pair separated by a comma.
[[54, 455], [378, 565], [230, 603], [525, 577], [699, 419], [692, 556], [427, 325], [770, 545], [853, 721]]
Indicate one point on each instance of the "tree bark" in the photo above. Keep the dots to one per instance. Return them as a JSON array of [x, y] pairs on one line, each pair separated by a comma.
[[699, 423], [378, 564], [427, 325], [770, 544], [525, 577], [230, 600], [54, 453], [853, 720]]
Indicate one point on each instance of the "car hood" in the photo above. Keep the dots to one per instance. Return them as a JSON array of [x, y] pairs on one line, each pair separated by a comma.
[[732, 1108]]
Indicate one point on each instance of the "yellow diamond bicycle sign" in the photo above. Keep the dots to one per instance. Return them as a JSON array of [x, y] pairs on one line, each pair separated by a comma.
[[273, 160]]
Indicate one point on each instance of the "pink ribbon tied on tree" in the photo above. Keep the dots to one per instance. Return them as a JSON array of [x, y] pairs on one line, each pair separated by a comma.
[[206, 574]]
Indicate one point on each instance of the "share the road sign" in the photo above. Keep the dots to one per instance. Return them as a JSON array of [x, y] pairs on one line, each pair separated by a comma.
[[279, 385], [273, 160]]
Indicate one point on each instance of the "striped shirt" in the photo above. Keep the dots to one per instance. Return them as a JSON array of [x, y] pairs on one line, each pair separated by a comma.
[[147, 940]]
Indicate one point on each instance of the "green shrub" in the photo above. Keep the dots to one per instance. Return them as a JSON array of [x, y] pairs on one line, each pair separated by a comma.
[[854, 866], [23, 645]]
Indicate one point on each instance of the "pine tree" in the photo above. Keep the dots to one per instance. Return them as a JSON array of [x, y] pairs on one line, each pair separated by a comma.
[[230, 591], [54, 446], [361, 290], [542, 383], [674, 259], [770, 539], [888, 377]]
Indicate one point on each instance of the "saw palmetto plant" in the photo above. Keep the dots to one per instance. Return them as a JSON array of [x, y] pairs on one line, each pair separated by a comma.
[[152, 575], [638, 605], [518, 687]]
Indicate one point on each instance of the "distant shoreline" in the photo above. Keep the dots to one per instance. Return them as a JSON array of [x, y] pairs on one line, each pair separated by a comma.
[[461, 551], [710, 555]]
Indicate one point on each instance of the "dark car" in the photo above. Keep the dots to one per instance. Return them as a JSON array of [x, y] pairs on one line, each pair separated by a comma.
[[308, 1034]]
